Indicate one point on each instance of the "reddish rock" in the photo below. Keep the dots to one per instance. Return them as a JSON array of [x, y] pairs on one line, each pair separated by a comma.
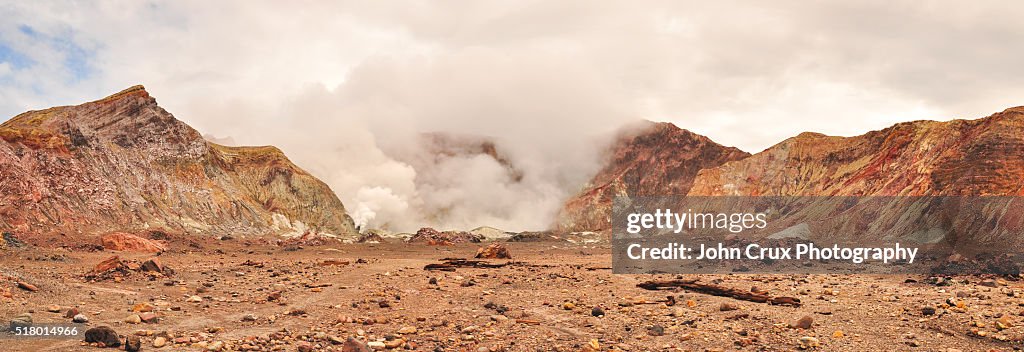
[[334, 262], [111, 268], [112, 263], [493, 251], [71, 313], [806, 322], [306, 239], [142, 307], [149, 317], [120, 241], [27, 286]]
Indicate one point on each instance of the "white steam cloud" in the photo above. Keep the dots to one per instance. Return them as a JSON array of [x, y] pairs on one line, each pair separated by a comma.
[[403, 151]]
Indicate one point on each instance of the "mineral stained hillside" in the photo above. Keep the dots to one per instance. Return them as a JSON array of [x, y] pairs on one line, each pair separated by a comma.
[[958, 157], [649, 159], [123, 163]]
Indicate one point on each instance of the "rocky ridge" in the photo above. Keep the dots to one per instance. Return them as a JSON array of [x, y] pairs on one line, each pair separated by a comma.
[[123, 163], [958, 157]]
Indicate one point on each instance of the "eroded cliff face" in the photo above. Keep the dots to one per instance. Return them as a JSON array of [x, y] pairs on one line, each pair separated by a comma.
[[649, 159], [123, 163], [960, 157]]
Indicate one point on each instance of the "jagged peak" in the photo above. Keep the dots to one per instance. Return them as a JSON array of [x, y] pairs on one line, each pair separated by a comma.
[[802, 138], [662, 125], [644, 124], [37, 117], [134, 91], [1015, 114], [259, 149], [629, 132], [1015, 109], [811, 135], [647, 127]]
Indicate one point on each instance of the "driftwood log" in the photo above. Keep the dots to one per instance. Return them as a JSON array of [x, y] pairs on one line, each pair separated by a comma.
[[450, 264], [721, 291]]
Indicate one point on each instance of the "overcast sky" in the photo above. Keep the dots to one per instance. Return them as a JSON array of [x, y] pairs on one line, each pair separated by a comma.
[[746, 74], [296, 73]]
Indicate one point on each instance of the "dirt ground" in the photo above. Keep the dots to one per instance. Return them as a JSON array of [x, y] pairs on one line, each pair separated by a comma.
[[554, 297]]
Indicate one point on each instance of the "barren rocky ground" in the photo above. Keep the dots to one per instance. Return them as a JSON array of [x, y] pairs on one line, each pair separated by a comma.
[[234, 295]]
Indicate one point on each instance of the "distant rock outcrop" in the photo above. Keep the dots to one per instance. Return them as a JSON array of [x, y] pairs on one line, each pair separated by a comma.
[[651, 159], [120, 241], [370, 237], [123, 163], [433, 237], [491, 233]]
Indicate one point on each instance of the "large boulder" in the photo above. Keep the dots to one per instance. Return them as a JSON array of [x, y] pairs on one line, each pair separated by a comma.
[[109, 269], [23, 320], [104, 335], [493, 251], [121, 241], [112, 263]]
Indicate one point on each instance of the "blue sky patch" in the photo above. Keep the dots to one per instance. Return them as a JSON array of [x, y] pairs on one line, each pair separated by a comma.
[[27, 30], [77, 59], [16, 59]]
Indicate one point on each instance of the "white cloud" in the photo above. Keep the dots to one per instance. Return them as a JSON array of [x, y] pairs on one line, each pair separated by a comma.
[[336, 84]]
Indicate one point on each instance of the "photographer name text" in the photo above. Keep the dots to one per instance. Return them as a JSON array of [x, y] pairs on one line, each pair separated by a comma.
[[801, 251]]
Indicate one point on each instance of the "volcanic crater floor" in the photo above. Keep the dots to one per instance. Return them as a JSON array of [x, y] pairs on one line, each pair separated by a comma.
[[230, 296]]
